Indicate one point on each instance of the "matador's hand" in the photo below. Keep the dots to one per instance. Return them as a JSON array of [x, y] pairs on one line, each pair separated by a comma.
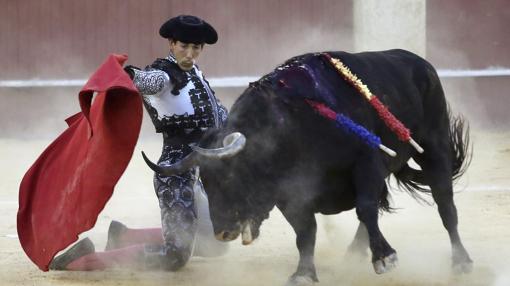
[[129, 69]]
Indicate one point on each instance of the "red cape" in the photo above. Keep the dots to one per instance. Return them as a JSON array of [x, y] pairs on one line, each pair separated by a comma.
[[64, 191]]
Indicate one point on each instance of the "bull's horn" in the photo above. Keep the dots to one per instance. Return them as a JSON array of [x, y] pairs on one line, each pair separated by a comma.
[[180, 167], [246, 235], [232, 144]]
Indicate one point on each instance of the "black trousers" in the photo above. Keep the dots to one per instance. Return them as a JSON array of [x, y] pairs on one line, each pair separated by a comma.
[[184, 212]]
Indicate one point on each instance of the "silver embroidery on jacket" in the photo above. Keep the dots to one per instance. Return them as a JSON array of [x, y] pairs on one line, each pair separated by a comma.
[[151, 81]]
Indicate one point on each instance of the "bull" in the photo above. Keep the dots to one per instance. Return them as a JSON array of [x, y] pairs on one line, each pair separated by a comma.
[[275, 150]]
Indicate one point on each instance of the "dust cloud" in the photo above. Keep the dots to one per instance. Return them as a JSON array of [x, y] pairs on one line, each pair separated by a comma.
[[415, 231], [31, 118]]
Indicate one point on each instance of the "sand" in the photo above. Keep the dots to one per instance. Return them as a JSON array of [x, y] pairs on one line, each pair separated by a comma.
[[415, 231]]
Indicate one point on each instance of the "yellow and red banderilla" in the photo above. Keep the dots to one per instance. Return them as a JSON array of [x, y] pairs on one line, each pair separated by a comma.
[[396, 126]]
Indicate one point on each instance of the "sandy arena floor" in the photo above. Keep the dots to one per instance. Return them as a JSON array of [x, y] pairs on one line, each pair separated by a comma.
[[415, 231]]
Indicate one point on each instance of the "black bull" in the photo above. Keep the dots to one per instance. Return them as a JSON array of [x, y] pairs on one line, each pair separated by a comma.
[[301, 162]]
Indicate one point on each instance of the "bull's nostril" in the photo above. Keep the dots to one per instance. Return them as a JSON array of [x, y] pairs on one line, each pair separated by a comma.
[[226, 235]]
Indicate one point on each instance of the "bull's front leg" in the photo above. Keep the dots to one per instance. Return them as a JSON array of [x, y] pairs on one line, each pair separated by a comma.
[[360, 244], [369, 184], [304, 225]]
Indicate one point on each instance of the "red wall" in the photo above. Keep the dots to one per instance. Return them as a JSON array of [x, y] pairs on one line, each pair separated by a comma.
[[468, 34], [472, 35], [53, 39], [62, 38], [68, 39]]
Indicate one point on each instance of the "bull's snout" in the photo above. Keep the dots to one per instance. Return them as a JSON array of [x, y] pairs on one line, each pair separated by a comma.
[[227, 235], [245, 229]]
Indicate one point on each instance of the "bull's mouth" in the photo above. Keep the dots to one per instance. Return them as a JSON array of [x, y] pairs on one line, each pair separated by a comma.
[[246, 230]]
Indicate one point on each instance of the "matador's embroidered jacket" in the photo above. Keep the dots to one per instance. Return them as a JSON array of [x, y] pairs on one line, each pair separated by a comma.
[[177, 100]]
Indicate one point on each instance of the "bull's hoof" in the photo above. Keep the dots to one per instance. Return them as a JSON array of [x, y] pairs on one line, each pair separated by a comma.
[[463, 267], [300, 281], [461, 262], [386, 264]]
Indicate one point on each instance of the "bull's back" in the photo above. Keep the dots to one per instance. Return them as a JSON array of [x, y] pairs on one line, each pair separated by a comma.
[[403, 81], [398, 77], [406, 83]]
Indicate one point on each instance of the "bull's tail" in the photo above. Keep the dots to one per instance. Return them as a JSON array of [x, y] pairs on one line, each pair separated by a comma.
[[460, 146], [414, 182]]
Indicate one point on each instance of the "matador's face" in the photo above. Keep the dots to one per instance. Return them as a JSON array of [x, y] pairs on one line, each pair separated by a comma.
[[185, 53]]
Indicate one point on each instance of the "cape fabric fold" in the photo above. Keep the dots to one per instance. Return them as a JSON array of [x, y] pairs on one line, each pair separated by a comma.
[[63, 192]]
